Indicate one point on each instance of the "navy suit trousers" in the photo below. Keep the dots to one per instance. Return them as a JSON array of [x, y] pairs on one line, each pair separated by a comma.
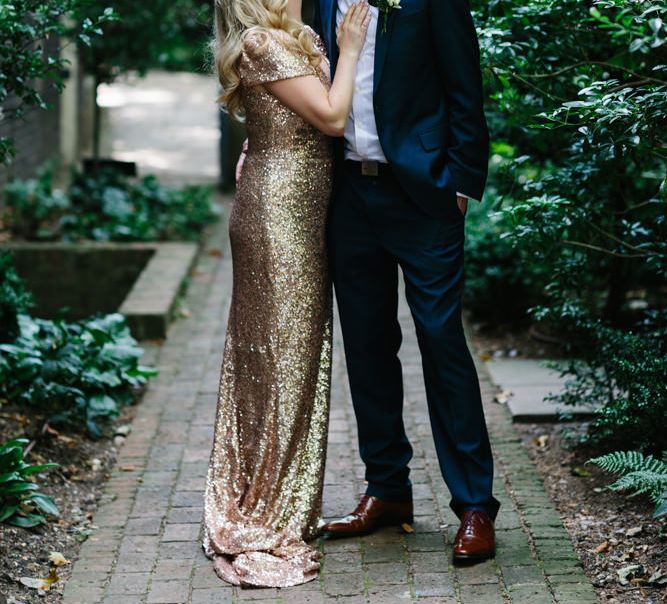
[[374, 228]]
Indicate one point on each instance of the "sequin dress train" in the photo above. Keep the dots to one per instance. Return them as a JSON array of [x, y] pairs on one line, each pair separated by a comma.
[[264, 485]]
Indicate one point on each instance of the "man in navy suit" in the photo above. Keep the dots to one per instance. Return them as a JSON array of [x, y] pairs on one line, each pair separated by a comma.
[[415, 149]]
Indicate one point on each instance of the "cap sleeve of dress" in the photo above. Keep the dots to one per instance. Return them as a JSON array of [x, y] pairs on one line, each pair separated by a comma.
[[266, 58]]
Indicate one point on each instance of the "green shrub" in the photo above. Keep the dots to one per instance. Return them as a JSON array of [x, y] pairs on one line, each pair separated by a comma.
[[21, 503], [30, 63], [111, 207], [106, 207], [14, 299], [500, 287], [624, 371], [36, 207], [189, 49], [74, 373], [642, 474], [582, 110]]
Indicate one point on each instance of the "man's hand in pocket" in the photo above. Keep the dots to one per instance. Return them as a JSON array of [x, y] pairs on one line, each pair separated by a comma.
[[462, 202]]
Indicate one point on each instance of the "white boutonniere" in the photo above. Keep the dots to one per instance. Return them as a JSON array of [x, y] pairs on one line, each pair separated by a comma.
[[384, 6]]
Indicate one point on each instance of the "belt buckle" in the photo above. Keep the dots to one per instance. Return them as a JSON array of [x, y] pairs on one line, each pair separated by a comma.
[[369, 168]]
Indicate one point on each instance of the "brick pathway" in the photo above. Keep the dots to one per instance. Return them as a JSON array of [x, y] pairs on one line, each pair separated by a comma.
[[147, 550]]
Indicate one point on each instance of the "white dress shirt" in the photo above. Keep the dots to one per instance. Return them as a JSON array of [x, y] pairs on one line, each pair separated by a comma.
[[361, 135]]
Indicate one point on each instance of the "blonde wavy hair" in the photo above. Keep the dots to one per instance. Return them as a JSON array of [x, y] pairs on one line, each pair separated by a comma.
[[233, 21]]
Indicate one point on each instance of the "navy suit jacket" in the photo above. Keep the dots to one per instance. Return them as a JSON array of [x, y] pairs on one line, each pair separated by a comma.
[[428, 97]]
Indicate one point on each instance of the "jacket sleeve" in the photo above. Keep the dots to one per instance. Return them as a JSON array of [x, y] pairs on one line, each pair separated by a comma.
[[458, 57]]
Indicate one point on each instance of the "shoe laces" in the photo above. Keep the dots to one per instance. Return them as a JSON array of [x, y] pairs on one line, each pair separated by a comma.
[[466, 529]]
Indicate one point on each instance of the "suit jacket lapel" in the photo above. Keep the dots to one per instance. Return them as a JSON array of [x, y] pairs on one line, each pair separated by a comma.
[[381, 47], [328, 12]]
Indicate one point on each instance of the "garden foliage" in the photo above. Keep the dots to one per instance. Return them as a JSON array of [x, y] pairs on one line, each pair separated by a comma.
[[640, 474], [577, 104], [25, 65], [78, 374], [106, 206], [500, 286], [112, 38], [75, 373], [14, 299], [143, 36], [189, 50], [21, 503]]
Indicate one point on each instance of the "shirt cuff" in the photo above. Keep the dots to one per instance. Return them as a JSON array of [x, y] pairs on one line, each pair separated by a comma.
[[459, 194]]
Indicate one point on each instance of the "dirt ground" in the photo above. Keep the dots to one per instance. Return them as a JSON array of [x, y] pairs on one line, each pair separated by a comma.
[[613, 533], [75, 486], [499, 341]]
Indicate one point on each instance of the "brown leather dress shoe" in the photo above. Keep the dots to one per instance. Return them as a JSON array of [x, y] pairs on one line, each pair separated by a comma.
[[475, 540], [370, 514]]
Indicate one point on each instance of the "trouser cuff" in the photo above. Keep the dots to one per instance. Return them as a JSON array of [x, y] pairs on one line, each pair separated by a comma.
[[490, 508]]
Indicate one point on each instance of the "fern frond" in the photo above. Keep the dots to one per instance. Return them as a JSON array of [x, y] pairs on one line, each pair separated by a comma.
[[624, 462], [641, 482], [639, 473]]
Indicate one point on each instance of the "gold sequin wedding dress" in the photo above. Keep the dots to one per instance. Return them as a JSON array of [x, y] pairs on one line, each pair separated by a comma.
[[264, 484]]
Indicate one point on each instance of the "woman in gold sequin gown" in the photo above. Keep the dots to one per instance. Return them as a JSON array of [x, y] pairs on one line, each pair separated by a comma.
[[264, 484]]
